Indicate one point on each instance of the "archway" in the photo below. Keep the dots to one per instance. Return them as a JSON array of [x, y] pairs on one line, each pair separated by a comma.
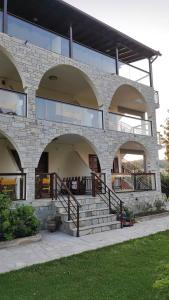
[[67, 95], [129, 111], [131, 168], [68, 84], [12, 181], [12, 97], [73, 158]]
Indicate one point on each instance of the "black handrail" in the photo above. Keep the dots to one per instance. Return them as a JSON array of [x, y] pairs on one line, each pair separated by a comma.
[[108, 196], [68, 201]]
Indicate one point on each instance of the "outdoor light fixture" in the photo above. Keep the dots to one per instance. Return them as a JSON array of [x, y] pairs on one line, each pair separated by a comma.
[[53, 77]]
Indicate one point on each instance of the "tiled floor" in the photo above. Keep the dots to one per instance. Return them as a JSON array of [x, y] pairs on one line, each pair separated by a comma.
[[56, 245]]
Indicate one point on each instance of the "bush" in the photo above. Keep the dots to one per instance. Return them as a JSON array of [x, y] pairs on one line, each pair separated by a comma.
[[18, 222], [24, 222], [6, 231]]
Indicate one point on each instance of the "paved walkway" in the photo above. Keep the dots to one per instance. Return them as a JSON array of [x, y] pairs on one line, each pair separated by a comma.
[[56, 245]]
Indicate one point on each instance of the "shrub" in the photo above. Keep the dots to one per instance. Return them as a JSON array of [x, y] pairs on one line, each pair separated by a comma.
[[6, 232], [18, 222]]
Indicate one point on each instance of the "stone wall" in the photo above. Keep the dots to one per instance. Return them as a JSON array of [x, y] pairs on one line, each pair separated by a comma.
[[31, 136]]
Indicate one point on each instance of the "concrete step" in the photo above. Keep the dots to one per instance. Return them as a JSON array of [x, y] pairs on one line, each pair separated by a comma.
[[81, 199], [95, 228], [83, 207], [90, 221], [88, 213]]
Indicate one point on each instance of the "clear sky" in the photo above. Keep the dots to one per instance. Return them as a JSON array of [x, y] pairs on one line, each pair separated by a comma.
[[148, 22]]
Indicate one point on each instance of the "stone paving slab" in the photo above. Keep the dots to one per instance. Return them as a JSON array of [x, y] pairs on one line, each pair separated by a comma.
[[57, 245]]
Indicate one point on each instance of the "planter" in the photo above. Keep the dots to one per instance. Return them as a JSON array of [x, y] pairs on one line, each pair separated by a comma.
[[20, 241], [53, 224]]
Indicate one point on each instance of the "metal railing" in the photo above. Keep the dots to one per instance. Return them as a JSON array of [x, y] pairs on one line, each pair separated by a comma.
[[57, 111], [134, 73], [159, 138], [13, 103], [50, 185], [133, 182], [13, 185], [52, 41], [156, 97], [119, 122], [109, 197]]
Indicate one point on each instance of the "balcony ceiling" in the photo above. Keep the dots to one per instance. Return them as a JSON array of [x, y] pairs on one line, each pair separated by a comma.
[[56, 15]]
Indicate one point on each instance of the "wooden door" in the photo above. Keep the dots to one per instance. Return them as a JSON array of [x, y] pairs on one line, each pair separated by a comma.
[[94, 164]]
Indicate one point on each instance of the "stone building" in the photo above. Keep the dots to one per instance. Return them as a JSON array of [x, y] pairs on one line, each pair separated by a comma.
[[74, 99]]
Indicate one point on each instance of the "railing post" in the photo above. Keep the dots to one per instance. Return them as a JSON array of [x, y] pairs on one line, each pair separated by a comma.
[[70, 41], [109, 202], [77, 220], [117, 61], [5, 17], [121, 213], [56, 187], [93, 186], [68, 207]]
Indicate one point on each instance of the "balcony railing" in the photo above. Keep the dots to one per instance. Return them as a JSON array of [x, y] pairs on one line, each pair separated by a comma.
[[54, 42], [159, 138], [119, 122], [156, 97], [134, 73], [14, 185], [57, 111], [134, 182], [13, 103], [37, 36]]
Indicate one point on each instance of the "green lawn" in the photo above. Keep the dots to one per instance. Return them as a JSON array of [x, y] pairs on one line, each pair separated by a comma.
[[124, 271]]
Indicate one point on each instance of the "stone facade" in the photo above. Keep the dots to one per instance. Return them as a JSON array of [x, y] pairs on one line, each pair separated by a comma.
[[30, 136]]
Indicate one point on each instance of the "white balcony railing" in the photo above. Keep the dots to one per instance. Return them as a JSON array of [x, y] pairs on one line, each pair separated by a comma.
[[127, 124]]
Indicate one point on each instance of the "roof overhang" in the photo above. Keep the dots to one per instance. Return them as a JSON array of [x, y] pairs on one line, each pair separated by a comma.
[[57, 15]]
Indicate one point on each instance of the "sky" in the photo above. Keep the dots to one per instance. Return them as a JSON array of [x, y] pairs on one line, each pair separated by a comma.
[[146, 21]]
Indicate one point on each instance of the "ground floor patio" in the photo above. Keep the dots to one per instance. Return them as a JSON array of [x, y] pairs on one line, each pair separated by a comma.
[[57, 245]]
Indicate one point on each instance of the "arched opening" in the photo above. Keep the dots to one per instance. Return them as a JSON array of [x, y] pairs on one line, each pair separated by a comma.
[[12, 181], [12, 98], [129, 111], [73, 158], [131, 170], [66, 94]]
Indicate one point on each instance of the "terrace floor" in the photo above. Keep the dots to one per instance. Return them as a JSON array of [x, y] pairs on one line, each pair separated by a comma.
[[57, 245]]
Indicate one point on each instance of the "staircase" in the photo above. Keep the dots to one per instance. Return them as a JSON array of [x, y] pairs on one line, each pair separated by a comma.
[[88, 214], [94, 217]]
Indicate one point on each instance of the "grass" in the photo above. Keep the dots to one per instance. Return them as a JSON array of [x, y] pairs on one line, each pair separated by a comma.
[[120, 272]]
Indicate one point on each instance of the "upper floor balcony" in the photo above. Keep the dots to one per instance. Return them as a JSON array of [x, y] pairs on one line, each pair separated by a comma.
[[66, 33]]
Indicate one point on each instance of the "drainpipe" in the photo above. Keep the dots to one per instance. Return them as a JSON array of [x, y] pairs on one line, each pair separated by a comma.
[[5, 17], [70, 41]]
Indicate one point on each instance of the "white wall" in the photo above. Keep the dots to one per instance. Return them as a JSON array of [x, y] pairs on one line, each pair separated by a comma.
[[7, 162], [69, 160]]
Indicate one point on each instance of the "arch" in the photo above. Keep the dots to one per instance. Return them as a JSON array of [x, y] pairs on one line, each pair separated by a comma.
[[70, 84], [15, 162], [69, 145], [128, 99], [12, 67]]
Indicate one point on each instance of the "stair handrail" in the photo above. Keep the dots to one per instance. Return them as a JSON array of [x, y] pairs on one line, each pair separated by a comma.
[[112, 196], [73, 216]]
